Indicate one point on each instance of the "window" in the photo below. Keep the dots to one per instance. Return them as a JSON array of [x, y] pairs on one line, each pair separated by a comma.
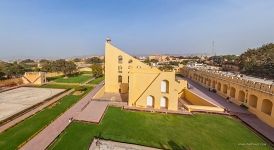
[[163, 102], [120, 80], [150, 101], [164, 86], [130, 61], [120, 68], [120, 59]]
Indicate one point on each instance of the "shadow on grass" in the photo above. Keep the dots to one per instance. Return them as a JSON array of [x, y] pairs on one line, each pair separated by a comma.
[[175, 146]]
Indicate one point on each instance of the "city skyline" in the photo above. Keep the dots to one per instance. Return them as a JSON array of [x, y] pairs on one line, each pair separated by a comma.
[[61, 29]]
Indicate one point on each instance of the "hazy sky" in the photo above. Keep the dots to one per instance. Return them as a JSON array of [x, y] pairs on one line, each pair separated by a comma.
[[63, 28]]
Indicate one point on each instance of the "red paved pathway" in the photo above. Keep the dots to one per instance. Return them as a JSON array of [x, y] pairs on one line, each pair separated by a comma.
[[240, 112], [93, 112], [43, 139]]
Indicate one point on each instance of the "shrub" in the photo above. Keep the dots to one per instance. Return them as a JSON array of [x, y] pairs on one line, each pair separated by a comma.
[[80, 88]]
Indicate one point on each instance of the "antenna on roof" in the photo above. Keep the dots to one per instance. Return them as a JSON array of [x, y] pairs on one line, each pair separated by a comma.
[[213, 46], [108, 40]]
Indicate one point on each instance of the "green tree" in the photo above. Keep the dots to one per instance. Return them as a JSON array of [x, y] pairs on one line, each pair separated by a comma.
[[166, 68], [2, 75], [97, 70], [147, 61], [174, 63], [154, 60], [14, 70], [70, 68], [61, 65], [76, 59], [27, 61], [42, 61], [93, 60], [46, 66], [258, 61]]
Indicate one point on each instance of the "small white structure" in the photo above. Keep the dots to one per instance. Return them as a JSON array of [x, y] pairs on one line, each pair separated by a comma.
[[37, 78]]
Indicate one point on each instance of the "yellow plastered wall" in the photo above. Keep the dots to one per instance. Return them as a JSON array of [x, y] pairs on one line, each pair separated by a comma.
[[36, 78], [145, 83], [100, 93], [139, 80], [111, 68], [195, 99], [262, 91]]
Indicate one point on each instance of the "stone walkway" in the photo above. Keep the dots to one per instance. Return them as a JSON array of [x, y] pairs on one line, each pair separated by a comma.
[[247, 117], [44, 138], [89, 80], [93, 112], [32, 112], [111, 145]]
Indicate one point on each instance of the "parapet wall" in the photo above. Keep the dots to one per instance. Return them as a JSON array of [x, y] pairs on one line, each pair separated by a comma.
[[195, 99], [256, 94], [268, 88]]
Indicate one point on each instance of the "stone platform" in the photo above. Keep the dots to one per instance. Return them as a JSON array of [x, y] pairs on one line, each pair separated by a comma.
[[111, 145], [19, 99]]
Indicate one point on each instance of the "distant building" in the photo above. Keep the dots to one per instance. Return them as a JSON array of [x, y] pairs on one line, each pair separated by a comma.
[[160, 58], [230, 67]]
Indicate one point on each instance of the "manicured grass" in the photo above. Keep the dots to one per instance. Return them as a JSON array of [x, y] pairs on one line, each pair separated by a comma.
[[97, 80], [54, 78], [78, 78], [198, 132], [18, 134]]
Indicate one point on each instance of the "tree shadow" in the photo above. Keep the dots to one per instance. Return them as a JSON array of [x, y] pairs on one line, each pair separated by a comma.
[[175, 146]]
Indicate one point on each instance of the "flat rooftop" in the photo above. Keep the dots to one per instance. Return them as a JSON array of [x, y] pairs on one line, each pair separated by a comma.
[[250, 78], [19, 99], [246, 77]]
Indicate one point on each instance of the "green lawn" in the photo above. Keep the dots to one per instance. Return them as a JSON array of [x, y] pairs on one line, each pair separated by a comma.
[[97, 80], [16, 135], [198, 132], [78, 78], [54, 78]]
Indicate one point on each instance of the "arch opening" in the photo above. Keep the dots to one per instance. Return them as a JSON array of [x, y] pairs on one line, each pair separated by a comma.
[[150, 101], [120, 59], [164, 86], [232, 92], [163, 102], [267, 106], [213, 84], [225, 89], [241, 96], [252, 101], [209, 83], [219, 86]]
